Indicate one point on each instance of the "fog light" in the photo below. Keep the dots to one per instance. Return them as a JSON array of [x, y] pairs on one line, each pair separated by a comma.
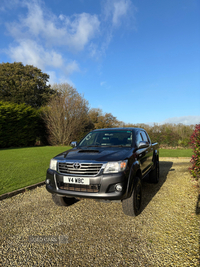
[[47, 181], [118, 187]]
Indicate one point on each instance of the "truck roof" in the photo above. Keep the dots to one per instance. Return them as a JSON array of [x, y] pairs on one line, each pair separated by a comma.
[[120, 128]]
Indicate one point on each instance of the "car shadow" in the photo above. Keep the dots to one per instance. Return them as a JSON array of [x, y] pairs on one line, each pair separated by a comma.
[[72, 201], [198, 205], [149, 190]]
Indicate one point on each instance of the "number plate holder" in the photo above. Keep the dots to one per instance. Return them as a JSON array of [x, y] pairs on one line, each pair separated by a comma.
[[76, 180]]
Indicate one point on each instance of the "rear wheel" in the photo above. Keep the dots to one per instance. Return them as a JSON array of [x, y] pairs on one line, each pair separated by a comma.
[[63, 201], [155, 173], [132, 206]]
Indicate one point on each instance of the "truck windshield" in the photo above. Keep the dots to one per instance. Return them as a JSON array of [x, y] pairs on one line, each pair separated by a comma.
[[108, 138]]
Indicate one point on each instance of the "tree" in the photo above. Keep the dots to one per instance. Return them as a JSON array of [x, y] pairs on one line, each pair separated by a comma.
[[66, 115], [101, 120], [24, 84]]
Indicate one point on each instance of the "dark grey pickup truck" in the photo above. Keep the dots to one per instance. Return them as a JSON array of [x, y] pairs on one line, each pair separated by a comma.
[[106, 165]]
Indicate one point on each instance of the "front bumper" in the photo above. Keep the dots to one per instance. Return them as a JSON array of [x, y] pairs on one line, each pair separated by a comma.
[[106, 184]]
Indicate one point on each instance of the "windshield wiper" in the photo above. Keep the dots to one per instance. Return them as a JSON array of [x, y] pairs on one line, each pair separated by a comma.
[[115, 146], [93, 146]]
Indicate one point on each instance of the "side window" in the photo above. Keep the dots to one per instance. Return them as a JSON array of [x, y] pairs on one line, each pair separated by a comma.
[[145, 138], [149, 140], [139, 138]]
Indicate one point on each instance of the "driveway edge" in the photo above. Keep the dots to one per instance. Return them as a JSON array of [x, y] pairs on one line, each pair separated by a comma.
[[21, 190]]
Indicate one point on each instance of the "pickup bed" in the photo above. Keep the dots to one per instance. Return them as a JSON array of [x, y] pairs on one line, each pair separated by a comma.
[[106, 165]]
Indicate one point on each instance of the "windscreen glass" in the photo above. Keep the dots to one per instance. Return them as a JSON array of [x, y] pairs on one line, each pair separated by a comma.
[[108, 138]]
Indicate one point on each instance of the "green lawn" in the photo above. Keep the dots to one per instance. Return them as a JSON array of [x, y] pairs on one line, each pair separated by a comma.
[[22, 167], [175, 152]]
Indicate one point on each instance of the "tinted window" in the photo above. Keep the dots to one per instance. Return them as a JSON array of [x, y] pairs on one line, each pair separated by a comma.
[[145, 138], [139, 138], [108, 138]]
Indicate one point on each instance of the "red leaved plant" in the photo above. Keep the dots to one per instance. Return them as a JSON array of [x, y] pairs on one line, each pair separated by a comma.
[[195, 144]]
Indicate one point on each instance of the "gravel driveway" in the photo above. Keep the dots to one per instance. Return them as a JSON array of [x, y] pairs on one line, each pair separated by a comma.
[[35, 232]]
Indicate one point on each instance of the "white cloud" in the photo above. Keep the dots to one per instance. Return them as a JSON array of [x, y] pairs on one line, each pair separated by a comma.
[[114, 14], [74, 32], [118, 10], [39, 33], [71, 67], [188, 120], [53, 78], [29, 52], [8, 4], [81, 29]]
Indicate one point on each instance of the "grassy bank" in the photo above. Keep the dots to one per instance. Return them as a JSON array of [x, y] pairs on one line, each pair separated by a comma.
[[22, 167], [175, 152]]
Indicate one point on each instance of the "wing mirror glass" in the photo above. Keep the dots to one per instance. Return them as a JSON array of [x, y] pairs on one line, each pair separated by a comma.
[[143, 144], [73, 144]]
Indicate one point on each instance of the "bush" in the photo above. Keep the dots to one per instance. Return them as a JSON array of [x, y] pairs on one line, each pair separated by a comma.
[[20, 125], [195, 143]]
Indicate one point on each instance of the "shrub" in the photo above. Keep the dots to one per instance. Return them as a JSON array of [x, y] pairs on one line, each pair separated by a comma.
[[20, 125], [195, 144]]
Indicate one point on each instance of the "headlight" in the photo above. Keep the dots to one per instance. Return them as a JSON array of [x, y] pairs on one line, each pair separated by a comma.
[[53, 164], [115, 166]]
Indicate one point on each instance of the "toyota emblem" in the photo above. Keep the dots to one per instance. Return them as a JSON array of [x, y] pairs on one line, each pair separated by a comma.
[[76, 165]]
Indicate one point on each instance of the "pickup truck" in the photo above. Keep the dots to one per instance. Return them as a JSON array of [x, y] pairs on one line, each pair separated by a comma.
[[106, 165]]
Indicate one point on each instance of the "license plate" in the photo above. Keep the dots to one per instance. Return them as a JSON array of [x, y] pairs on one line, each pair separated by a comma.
[[76, 180]]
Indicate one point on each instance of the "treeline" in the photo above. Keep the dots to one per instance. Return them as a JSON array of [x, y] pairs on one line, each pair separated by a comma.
[[33, 112], [168, 135]]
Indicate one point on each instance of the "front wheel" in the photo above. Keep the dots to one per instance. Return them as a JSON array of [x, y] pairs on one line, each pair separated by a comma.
[[132, 206], [63, 201]]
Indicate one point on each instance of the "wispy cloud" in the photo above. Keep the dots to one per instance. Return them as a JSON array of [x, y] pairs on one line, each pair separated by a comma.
[[115, 13], [39, 35], [188, 120], [74, 32], [118, 11], [102, 83]]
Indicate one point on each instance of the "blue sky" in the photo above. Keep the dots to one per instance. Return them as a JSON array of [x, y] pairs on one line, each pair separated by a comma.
[[139, 60]]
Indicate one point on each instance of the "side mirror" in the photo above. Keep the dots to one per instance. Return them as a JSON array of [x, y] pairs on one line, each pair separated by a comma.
[[73, 144], [143, 144]]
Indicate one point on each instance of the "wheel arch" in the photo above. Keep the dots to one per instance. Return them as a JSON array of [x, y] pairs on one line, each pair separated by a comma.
[[135, 172]]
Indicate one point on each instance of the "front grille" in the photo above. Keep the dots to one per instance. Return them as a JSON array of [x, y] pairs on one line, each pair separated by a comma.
[[79, 188], [89, 169]]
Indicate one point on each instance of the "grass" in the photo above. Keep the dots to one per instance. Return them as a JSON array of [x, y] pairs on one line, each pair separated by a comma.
[[21, 167], [175, 152]]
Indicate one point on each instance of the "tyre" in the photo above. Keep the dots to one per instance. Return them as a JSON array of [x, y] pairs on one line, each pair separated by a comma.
[[63, 201], [132, 206], [155, 173]]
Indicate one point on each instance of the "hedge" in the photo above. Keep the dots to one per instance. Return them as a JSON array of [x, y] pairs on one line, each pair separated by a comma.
[[20, 125]]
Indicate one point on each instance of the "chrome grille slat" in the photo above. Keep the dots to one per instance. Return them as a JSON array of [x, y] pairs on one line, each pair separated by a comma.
[[90, 169]]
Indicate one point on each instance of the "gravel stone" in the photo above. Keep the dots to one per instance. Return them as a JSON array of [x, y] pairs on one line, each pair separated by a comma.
[[36, 232]]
